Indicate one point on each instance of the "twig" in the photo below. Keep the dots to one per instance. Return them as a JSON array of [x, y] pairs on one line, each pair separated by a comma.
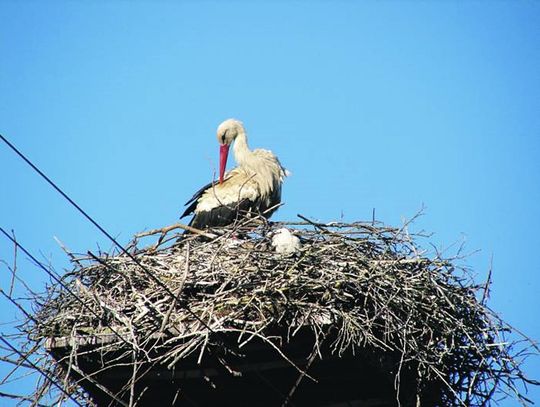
[[167, 229], [14, 268]]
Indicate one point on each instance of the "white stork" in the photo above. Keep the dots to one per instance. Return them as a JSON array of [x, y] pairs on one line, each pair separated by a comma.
[[253, 187]]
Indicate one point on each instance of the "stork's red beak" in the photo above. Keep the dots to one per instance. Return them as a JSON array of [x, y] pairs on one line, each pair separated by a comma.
[[223, 154]]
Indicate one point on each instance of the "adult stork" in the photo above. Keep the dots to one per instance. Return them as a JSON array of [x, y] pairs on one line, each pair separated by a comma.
[[253, 187]]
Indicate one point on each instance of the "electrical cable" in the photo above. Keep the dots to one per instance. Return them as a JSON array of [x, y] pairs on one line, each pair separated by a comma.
[[122, 249], [47, 376], [64, 286], [102, 230]]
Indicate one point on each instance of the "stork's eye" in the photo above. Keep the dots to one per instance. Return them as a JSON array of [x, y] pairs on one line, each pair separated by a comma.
[[223, 137]]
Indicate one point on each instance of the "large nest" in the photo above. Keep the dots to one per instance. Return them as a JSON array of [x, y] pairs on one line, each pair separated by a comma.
[[359, 290]]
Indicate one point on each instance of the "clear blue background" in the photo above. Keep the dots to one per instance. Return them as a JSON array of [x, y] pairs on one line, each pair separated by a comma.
[[385, 105]]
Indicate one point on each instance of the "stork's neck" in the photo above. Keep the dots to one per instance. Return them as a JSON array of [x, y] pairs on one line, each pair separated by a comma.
[[242, 153]]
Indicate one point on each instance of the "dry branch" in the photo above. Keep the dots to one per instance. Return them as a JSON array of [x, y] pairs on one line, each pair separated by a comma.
[[362, 287]]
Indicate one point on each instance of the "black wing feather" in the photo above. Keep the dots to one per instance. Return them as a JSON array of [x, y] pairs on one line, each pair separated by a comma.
[[193, 200], [222, 215]]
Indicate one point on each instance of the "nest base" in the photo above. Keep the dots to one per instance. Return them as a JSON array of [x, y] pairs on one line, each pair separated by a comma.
[[259, 376]]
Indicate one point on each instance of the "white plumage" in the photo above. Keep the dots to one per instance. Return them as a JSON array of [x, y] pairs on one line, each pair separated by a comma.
[[285, 242], [254, 186]]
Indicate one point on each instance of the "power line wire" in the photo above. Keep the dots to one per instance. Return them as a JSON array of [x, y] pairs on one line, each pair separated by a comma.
[[102, 230], [36, 367], [64, 286], [123, 250], [19, 306]]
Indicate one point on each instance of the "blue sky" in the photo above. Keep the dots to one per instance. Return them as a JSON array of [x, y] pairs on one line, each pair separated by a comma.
[[385, 105]]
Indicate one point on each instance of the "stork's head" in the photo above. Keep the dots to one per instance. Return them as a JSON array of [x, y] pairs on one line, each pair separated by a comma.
[[226, 133]]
